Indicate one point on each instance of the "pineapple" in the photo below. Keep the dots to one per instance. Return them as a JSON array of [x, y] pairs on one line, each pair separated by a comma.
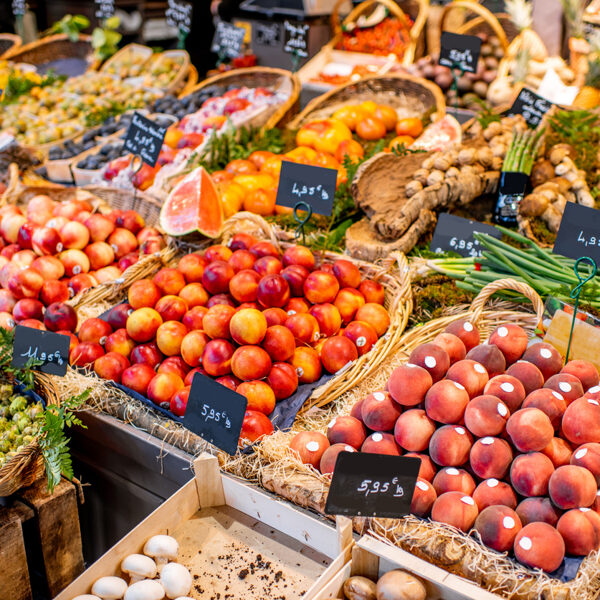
[[520, 12], [589, 95]]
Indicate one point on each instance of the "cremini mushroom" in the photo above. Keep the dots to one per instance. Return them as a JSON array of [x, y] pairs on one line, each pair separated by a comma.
[[109, 588], [162, 548], [138, 567], [176, 580], [147, 589]]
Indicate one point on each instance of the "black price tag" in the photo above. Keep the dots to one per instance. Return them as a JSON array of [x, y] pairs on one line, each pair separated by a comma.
[[104, 9], [228, 40], [144, 137], [372, 485], [510, 193], [179, 14], [579, 233], [460, 51], [532, 106], [215, 413], [19, 7], [305, 183], [455, 234], [267, 34], [51, 348], [295, 38]]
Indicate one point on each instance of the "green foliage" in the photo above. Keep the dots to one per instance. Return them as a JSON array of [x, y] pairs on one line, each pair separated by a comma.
[[71, 25], [19, 84], [105, 39], [486, 115]]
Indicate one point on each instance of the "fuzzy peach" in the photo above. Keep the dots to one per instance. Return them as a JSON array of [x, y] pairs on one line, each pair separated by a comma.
[[413, 430], [530, 429], [427, 470], [470, 374], [581, 421], [143, 323], [450, 446], [453, 346], [492, 492], [490, 357], [381, 443], [486, 415], [511, 340], [545, 357], [456, 509], [572, 486], [408, 384], [307, 363], [329, 458], [490, 457], [558, 451], [498, 527], [539, 546], [466, 331], [584, 370], [578, 532], [451, 479], [530, 474], [423, 498], [528, 374], [568, 386], [309, 447], [379, 412], [549, 402], [533, 510], [588, 456], [446, 401], [508, 389], [346, 430]]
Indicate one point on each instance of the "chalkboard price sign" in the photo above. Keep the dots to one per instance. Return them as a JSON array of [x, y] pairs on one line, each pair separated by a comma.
[[228, 40], [104, 9], [455, 234], [51, 348], [295, 40], [531, 106], [19, 7], [179, 14], [267, 34], [144, 137], [579, 232], [460, 51]]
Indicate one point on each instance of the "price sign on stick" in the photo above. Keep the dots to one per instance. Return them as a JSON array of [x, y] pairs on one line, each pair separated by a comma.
[[51, 348], [228, 40], [531, 106], [455, 234], [267, 34], [460, 51], [179, 14], [145, 138], [372, 485], [304, 183], [295, 40], [579, 232], [215, 413], [104, 9]]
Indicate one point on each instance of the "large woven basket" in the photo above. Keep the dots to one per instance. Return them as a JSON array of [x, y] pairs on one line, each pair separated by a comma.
[[144, 52], [397, 90], [9, 42]]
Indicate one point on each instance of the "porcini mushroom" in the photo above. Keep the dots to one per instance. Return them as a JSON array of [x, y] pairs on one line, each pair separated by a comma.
[[176, 580], [147, 589], [109, 588], [162, 548], [138, 567]]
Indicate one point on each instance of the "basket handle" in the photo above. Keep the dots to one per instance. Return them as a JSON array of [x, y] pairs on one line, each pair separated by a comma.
[[490, 289], [360, 9], [265, 228]]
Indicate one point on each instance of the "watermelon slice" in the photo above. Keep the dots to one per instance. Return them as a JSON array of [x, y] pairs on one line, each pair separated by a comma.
[[193, 205], [441, 135]]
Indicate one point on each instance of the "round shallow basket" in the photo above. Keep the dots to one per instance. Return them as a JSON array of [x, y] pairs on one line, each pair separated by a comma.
[[28, 465], [401, 91], [275, 467], [191, 81], [144, 52], [9, 42], [179, 81], [278, 80]]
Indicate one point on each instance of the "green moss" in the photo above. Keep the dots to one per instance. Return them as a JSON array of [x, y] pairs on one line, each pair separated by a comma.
[[541, 232]]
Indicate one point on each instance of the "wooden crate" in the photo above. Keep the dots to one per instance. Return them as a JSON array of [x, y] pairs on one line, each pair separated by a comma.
[[222, 523]]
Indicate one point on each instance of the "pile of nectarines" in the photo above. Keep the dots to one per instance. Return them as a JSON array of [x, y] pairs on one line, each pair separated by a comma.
[[508, 437]]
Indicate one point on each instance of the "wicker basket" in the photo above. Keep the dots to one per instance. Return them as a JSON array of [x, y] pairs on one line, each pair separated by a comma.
[[143, 51], [179, 81], [398, 90], [191, 82], [9, 42], [252, 77]]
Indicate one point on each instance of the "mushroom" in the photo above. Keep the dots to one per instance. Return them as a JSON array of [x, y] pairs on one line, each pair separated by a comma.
[[162, 548], [109, 588], [176, 580], [147, 589], [138, 567]]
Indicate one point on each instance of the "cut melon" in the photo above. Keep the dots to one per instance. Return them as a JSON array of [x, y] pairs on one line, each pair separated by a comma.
[[441, 135], [193, 205]]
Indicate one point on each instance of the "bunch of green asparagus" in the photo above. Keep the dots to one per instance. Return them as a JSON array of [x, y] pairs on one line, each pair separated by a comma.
[[523, 149]]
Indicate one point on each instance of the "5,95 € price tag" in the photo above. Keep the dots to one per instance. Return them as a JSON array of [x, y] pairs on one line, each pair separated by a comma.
[[455, 234], [51, 348]]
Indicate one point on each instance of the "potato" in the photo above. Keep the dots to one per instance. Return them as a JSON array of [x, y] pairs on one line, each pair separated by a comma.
[[400, 585], [359, 588]]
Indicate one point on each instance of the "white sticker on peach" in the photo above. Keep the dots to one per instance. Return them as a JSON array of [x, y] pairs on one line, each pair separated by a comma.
[[422, 485], [377, 437], [508, 523], [332, 423], [460, 386], [379, 396], [492, 482], [487, 441], [360, 341], [468, 327], [507, 387], [312, 446], [594, 390], [525, 543], [502, 331], [452, 471], [479, 368], [460, 430], [581, 453], [468, 500], [545, 353], [557, 395], [430, 362], [592, 401], [565, 386], [502, 410]]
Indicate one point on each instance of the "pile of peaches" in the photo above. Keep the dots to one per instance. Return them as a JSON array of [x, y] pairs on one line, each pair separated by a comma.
[[53, 250], [508, 438], [258, 321]]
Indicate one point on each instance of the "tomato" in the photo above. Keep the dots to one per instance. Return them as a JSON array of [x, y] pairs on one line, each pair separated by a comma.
[[302, 154], [324, 159], [324, 135], [219, 176], [369, 107], [239, 166], [173, 136], [254, 181], [272, 166], [410, 126], [232, 197], [261, 202], [405, 140], [388, 115], [371, 129], [190, 140], [255, 425], [350, 115], [350, 148], [283, 210], [258, 157]]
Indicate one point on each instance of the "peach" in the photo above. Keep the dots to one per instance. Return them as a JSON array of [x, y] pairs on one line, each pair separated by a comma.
[[539, 546], [49, 267], [451, 479], [456, 509], [530, 474], [273, 291], [110, 366], [372, 291], [194, 318], [83, 355], [296, 305], [346, 430], [229, 381], [592, 515], [307, 363], [348, 301], [259, 395], [511, 340], [243, 286], [508, 389], [119, 342], [55, 223], [309, 446], [228, 300], [99, 226], [347, 273], [7, 301], [174, 364], [572, 486], [578, 532], [250, 362], [70, 208], [328, 317], [171, 308], [54, 291], [549, 402], [413, 430], [41, 204], [466, 331], [26, 284], [192, 267], [528, 374], [446, 401], [299, 255], [486, 415], [248, 326], [6, 272], [423, 498], [117, 316], [492, 492], [283, 380], [320, 287], [267, 265], [240, 260], [28, 308], [74, 235], [263, 248], [216, 321], [498, 527], [427, 470], [379, 412], [453, 346], [192, 347], [81, 282], [585, 371], [450, 446], [356, 410], [100, 254], [558, 451], [94, 330], [295, 275], [530, 429], [10, 225], [568, 386], [588, 456], [470, 374], [375, 315], [279, 342], [122, 242], [169, 336], [73, 341], [148, 354], [25, 234], [381, 443], [143, 323], [581, 421], [408, 384], [533, 510], [61, 316], [362, 335], [218, 252], [304, 328], [337, 352], [545, 357], [75, 262], [162, 387], [490, 457], [490, 357], [329, 458]]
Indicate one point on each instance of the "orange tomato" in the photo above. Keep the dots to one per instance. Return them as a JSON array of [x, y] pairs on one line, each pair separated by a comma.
[[302, 154], [350, 115], [324, 135], [410, 126], [261, 202], [401, 139], [254, 181], [371, 129], [272, 166], [219, 176], [388, 115], [258, 157], [232, 197], [240, 166], [369, 107], [283, 210], [324, 159], [350, 148], [173, 136]]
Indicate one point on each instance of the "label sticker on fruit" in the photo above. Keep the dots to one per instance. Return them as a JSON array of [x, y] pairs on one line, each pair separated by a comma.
[[295, 38], [579, 232], [50, 348], [215, 413], [305, 183], [228, 40], [372, 485], [455, 234], [144, 137], [104, 9], [531, 106], [179, 14], [460, 51]]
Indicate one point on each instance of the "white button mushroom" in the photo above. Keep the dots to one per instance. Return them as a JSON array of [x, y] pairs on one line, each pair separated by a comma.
[[138, 567], [109, 588], [147, 589], [86, 597], [162, 548], [176, 580]]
